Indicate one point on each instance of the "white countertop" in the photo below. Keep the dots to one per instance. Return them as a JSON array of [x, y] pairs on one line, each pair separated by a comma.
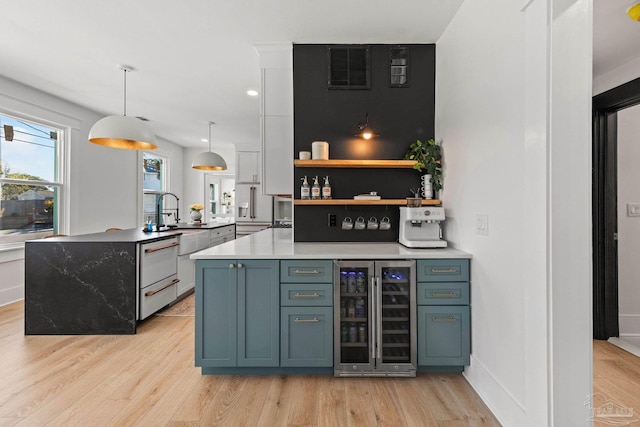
[[277, 243]]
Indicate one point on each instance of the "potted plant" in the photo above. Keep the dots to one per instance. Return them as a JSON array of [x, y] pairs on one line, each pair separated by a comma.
[[427, 156]]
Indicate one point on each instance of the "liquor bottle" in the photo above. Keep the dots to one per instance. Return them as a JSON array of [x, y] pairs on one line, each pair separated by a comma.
[[351, 309], [360, 283], [351, 282]]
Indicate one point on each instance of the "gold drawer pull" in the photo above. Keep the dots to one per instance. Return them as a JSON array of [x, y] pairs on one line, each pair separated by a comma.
[[313, 295], [299, 320], [314, 271], [444, 319], [443, 294], [152, 293], [444, 270], [172, 245]]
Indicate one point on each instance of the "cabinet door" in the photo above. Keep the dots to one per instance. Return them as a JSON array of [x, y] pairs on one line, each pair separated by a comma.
[[443, 335], [216, 318], [248, 167], [258, 313], [277, 145], [307, 336]]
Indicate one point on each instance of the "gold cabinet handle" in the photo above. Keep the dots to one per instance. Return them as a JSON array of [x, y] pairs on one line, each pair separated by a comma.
[[296, 271], [240, 265], [313, 295], [444, 270], [172, 245], [443, 294], [152, 293], [231, 266], [299, 320], [444, 319]]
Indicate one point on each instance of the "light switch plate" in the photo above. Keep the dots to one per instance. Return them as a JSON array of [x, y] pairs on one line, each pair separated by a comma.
[[482, 224], [633, 209]]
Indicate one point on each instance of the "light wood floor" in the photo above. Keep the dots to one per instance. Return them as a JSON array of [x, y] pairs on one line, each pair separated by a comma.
[[149, 379], [616, 377]]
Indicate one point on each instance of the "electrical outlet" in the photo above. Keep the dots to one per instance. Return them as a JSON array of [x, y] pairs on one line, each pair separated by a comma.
[[332, 221], [633, 209], [482, 224]]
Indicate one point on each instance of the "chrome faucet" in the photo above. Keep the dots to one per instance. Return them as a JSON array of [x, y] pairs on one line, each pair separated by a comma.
[[159, 214]]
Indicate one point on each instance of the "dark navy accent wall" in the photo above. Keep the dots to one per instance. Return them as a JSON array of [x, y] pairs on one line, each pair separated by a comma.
[[398, 115]]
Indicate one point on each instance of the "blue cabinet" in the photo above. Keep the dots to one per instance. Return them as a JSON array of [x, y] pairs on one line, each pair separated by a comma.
[[307, 337], [443, 335], [237, 313], [444, 323], [306, 313]]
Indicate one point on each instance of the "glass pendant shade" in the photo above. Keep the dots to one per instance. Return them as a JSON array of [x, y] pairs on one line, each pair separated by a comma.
[[208, 160], [123, 132]]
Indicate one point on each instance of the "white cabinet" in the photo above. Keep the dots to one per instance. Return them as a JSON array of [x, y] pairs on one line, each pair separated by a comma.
[[277, 92], [277, 143], [158, 275], [248, 167], [276, 70]]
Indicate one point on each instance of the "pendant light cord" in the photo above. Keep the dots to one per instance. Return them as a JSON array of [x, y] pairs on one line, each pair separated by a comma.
[[210, 123], [125, 91]]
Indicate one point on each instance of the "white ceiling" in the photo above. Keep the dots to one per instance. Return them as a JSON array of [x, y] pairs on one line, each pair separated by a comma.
[[195, 60]]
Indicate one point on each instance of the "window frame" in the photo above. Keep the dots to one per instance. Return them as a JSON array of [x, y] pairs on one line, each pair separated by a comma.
[[166, 180], [64, 125]]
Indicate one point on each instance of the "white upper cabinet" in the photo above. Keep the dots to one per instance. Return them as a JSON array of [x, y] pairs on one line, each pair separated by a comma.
[[248, 167], [276, 67], [277, 91]]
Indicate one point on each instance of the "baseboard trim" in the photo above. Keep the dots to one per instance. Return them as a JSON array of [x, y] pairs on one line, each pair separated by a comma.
[[504, 406], [11, 295], [625, 345]]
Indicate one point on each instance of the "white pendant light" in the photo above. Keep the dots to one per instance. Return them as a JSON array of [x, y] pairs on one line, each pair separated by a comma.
[[122, 131], [208, 160]]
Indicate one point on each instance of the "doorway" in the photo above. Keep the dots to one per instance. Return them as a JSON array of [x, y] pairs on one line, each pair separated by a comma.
[[605, 205]]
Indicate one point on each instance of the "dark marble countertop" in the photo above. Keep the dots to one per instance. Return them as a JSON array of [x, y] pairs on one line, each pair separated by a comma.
[[132, 235]]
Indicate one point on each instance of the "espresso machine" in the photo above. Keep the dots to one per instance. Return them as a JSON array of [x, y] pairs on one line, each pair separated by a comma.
[[420, 227]]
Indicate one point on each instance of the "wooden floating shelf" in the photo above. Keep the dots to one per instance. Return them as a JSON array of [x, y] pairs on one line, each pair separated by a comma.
[[389, 164], [382, 202]]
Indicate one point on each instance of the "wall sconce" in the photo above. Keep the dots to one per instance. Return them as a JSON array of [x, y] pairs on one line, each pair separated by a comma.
[[364, 129]]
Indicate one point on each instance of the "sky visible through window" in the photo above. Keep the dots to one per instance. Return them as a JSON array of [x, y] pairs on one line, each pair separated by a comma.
[[32, 151]]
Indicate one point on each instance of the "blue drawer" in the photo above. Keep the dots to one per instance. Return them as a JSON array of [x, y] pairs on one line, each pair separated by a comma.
[[306, 271], [306, 294], [443, 293], [443, 270]]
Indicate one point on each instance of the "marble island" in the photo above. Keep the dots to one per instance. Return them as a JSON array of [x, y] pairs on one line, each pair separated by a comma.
[[277, 243], [105, 283]]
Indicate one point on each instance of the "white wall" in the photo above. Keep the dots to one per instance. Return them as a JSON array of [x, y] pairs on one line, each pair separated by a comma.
[[103, 182], [616, 77], [509, 117], [628, 227]]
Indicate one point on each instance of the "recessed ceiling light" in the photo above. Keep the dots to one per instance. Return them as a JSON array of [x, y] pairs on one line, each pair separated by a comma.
[[252, 92], [204, 140]]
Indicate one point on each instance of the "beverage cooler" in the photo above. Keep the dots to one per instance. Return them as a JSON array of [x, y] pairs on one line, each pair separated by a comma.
[[375, 318]]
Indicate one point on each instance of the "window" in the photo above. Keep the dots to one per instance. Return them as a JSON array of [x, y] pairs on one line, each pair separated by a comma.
[[31, 181], [154, 183], [349, 67]]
